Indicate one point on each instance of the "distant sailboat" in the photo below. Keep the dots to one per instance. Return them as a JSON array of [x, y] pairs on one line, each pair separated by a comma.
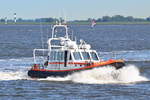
[[93, 23]]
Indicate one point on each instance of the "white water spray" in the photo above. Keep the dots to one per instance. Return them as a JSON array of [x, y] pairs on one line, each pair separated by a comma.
[[10, 75], [105, 75]]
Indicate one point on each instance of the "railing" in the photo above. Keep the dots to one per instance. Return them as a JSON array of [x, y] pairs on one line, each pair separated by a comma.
[[53, 46], [40, 56], [59, 25]]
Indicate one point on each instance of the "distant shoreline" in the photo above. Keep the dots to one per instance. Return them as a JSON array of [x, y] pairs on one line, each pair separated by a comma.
[[78, 23]]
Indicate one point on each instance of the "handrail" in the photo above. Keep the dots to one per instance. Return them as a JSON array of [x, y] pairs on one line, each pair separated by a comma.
[[34, 51], [59, 25], [50, 45]]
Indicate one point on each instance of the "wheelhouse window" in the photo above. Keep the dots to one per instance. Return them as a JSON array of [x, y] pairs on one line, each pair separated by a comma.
[[57, 55], [60, 56], [94, 56], [85, 55], [77, 56], [52, 55]]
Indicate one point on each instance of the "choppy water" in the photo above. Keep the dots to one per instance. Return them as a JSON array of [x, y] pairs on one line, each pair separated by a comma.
[[129, 42]]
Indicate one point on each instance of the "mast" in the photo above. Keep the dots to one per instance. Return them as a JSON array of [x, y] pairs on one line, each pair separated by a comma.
[[60, 25]]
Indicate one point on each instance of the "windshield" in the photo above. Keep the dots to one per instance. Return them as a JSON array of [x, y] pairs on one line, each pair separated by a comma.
[[56, 55], [94, 56], [77, 56], [85, 55]]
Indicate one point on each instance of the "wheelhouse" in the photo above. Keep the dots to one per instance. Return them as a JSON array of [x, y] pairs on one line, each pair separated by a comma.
[[71, 55], [65, 53]]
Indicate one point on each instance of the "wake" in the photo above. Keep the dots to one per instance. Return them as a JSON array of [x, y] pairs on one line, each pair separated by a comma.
[[11, 75], [108, 75], [104, 75]]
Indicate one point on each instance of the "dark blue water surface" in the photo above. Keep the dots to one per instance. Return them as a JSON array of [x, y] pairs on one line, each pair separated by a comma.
[[128, 42], [20, 40]]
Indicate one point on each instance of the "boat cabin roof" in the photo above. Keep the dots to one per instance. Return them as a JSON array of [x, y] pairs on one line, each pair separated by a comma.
[[62, 48]]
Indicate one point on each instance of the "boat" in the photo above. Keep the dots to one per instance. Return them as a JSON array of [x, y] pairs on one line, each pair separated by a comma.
[[93, 23], [64, 56]]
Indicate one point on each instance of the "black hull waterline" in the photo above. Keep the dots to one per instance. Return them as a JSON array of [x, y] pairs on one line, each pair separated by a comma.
[[45, 74]]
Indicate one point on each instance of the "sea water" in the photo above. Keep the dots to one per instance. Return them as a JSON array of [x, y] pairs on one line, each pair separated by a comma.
[[128, 42]]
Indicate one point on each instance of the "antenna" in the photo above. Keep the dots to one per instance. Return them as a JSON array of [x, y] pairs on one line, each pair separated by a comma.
[[41, 31], [60, 21], [64, 15]]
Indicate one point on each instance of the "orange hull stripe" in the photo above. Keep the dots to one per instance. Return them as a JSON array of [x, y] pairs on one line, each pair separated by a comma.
[[103, 63], [80, 63]]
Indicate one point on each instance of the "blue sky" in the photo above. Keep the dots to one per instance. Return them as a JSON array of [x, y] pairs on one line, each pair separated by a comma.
[[74, 9]]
